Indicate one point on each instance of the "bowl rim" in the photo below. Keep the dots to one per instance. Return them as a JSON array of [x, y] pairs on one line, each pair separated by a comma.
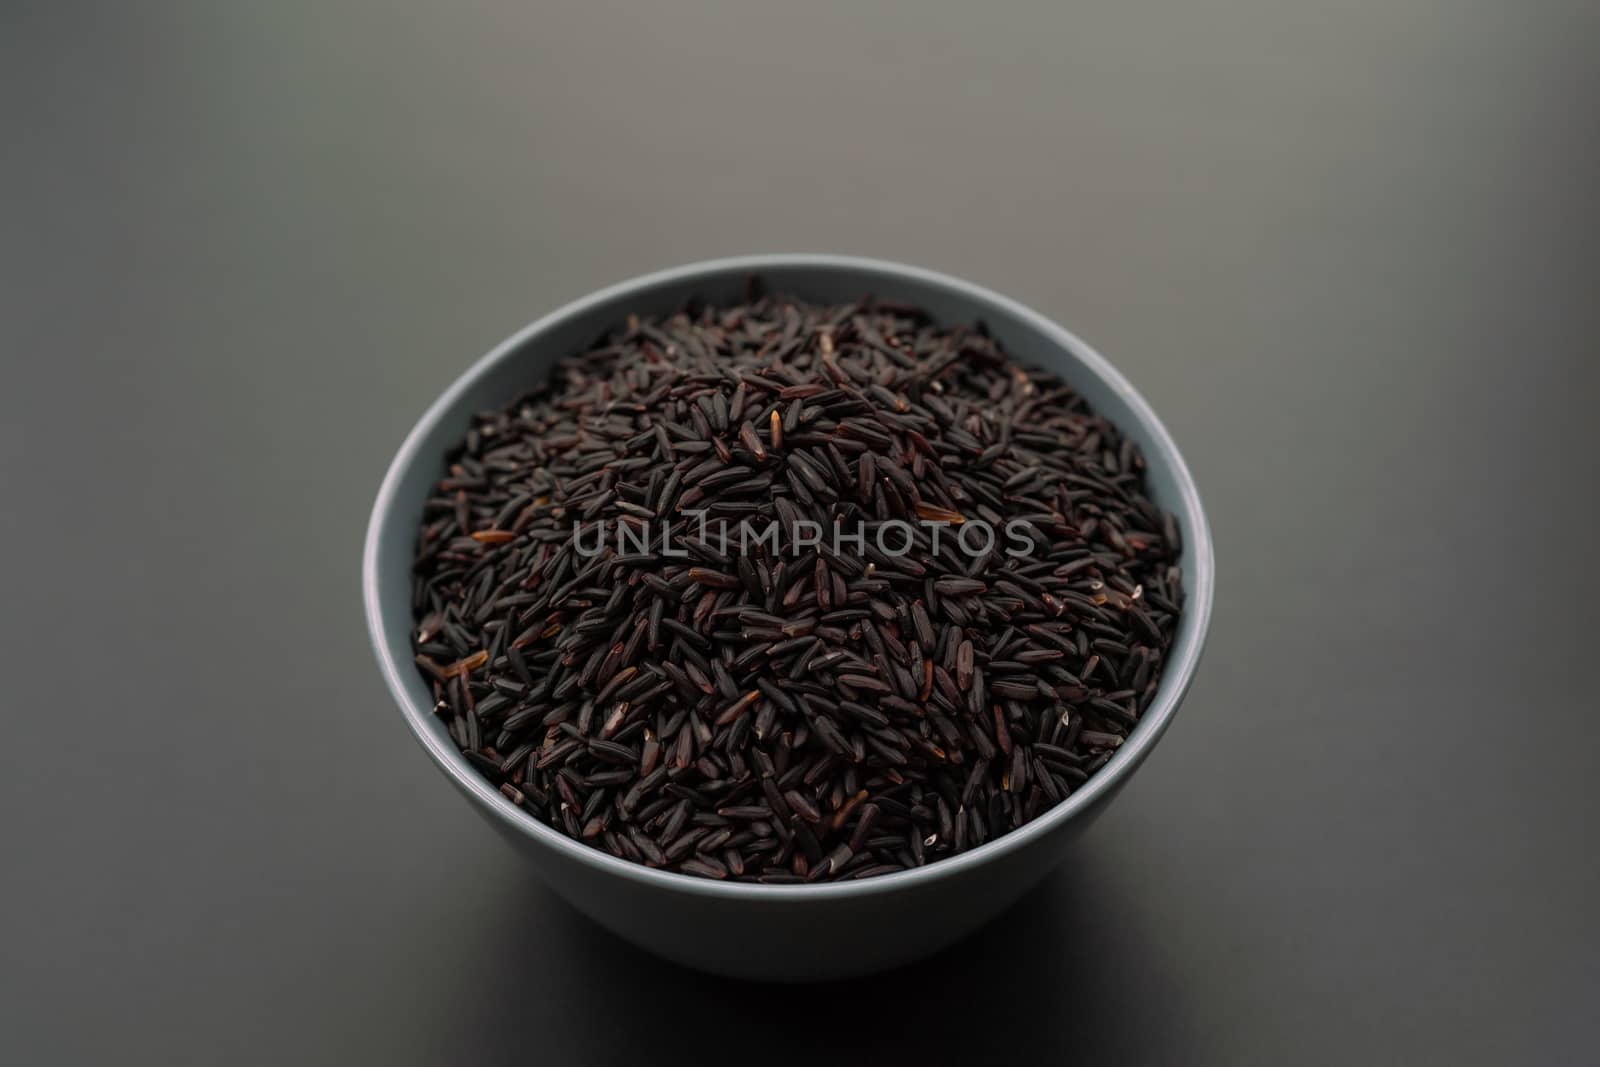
[[1175, 681]]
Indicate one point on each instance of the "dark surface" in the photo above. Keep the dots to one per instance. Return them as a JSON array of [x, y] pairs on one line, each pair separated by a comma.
[[1348, 257]]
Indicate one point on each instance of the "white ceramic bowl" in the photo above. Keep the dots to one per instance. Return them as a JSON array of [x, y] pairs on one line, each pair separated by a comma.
[[757, 931]]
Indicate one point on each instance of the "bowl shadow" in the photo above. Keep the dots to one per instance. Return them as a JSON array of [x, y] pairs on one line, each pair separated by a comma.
[[1047, 980]]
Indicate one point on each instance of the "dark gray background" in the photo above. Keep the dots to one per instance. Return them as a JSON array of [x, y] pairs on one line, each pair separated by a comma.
[[1347, 254]]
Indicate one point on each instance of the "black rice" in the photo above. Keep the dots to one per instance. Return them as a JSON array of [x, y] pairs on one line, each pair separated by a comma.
[[782, 708]]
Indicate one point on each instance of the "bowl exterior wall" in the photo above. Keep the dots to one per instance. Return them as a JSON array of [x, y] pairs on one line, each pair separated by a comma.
[[783, 939]]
